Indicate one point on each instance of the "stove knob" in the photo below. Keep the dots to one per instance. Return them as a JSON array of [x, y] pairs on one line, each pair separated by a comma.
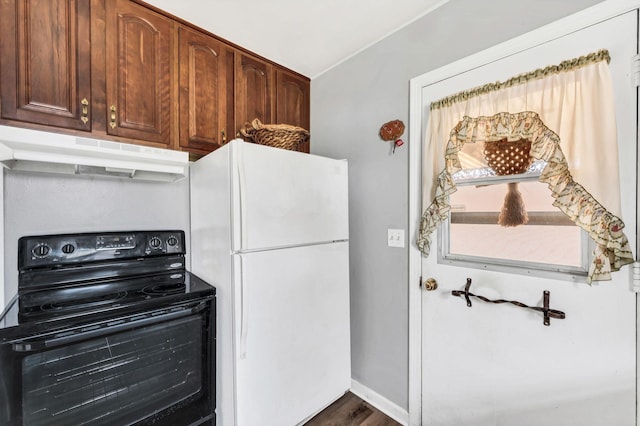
[[68, 248], [155, 243], [41, 250], [172, 241]]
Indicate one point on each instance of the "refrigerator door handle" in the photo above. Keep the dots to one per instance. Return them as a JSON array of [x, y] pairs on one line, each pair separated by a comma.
[[242, 193], [243, 312]]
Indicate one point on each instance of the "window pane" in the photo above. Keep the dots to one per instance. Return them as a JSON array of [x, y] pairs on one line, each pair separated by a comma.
[[526, 243], [549, 238]]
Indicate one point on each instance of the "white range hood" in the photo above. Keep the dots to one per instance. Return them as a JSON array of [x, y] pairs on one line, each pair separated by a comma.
[[36, 151]]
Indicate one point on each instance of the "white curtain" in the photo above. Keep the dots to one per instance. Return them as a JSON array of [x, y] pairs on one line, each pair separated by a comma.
[[567, 111]]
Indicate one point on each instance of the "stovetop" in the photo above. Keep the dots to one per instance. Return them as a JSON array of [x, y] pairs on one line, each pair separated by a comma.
[[70, 279], [74, 304]]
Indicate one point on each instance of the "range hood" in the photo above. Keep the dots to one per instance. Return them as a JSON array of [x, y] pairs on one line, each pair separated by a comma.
[[37, 151]]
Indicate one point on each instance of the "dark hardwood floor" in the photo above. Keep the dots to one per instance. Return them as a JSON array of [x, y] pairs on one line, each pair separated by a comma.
[[351, 411]]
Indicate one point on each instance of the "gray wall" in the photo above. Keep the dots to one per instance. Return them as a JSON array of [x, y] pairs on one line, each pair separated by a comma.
[[38, 204], [349, 103]]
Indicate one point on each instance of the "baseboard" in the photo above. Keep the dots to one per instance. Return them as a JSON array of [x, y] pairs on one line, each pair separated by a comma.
[[389, 408]]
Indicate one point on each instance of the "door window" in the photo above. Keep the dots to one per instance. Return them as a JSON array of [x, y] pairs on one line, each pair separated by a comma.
[[548, 242]]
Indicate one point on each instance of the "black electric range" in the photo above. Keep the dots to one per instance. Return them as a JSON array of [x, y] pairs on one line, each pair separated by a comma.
[[107, 328]]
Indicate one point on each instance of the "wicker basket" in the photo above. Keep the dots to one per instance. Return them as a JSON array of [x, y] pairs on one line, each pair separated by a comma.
[[276, 135], [508, 158]]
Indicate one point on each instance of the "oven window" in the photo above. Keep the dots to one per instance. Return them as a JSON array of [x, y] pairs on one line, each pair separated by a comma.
[[118, 379]]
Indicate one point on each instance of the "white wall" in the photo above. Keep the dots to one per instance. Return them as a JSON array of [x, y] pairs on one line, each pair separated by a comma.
[[349, 103], [37, 204]]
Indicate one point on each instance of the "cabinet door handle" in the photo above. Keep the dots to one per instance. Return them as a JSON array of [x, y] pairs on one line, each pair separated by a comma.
[[112, 121], [224, 137], [84, 115]]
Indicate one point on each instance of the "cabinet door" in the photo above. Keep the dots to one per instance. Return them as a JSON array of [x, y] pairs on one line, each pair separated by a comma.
[[292, 105], [139, 74], [253, 90], [45, 65], [205, 89]]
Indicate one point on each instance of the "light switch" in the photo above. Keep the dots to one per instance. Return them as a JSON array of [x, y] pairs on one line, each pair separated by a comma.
[[395, 237]]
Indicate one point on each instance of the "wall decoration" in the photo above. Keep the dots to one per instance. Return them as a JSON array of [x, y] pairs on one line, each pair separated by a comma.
[[392, 131]]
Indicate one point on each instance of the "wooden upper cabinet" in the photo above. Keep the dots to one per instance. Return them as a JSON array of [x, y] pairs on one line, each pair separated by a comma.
[[254, 90], [121, 70], [138, 72], [206, 88], [292, 106], [45, 62], [293, 100]]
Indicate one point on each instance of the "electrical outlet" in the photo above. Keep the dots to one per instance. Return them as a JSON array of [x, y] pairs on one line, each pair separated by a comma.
[[395, 237]]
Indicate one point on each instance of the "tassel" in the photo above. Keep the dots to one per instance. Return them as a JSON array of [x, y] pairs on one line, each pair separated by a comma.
[[513, 211]]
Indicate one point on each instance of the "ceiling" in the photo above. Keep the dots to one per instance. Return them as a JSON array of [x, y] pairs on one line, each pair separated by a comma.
[[307, 36]]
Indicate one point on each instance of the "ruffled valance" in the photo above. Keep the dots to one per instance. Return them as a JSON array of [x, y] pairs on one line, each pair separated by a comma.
[[612, 247]]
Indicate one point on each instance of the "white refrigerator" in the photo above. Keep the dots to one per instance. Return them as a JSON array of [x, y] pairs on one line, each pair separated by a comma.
[[269, 228]]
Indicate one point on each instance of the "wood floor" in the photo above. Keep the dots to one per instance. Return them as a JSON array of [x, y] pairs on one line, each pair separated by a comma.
[[351, 411]]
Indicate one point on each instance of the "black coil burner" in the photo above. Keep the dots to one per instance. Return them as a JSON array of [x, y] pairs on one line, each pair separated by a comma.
[[84, 303], [164, 289]]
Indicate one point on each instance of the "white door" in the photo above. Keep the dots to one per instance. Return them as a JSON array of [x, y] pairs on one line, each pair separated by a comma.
[[498, 364], [285, 198]]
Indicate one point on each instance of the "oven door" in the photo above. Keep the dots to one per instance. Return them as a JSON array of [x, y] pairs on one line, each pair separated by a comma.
[[152, 367]]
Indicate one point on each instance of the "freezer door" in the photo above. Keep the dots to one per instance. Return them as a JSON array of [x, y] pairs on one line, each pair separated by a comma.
[[285, 198], [292, 341]]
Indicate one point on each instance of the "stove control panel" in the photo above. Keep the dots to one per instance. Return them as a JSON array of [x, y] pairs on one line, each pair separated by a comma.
[[165, 243], [118, 241], [72, 249]]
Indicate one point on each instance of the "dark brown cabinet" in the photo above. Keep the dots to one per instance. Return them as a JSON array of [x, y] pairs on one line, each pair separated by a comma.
[[206, 91], [45, 62], [271, 94], [124, 70], [138, 72], [292, 102], [254, 90], [292, 106]]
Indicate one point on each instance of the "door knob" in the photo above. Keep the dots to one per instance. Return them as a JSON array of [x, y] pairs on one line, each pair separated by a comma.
[[430, 284]]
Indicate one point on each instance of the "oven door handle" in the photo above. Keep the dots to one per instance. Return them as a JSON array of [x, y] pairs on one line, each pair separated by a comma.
[[90, 331]]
